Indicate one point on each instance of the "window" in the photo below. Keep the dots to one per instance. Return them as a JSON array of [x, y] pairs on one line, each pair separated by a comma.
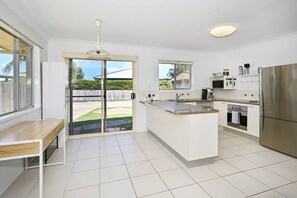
[[15, 74], [174, 75]]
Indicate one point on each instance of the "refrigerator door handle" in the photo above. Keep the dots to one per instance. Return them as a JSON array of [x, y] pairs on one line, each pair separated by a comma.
[[262, 123], [261, 102], [261, 94]]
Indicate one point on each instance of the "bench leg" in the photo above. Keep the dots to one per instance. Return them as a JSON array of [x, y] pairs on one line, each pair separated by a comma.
[[40, 169]]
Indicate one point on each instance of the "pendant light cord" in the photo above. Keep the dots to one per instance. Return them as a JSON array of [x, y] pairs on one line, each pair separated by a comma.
[[98, 25]]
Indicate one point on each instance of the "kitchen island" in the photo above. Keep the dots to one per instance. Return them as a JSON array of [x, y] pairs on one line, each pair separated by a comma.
[[190, 132]]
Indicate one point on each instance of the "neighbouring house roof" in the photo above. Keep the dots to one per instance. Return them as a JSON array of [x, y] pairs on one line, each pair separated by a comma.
[[182, 76], [125, 74], [6, 76]]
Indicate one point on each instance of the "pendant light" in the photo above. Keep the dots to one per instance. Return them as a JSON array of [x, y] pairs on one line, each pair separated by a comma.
[[98, 51]]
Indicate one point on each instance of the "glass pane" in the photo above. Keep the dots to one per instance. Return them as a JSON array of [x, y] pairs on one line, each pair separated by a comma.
[[86, 95], [118, 95], [25, 75], [183, 76], [166, 76], [6, 73]]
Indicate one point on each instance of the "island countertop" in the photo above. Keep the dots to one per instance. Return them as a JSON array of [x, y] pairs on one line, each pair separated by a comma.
[[179, 108]]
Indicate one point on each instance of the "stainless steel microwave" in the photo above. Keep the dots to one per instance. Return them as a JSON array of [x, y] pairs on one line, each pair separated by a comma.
[[223, 82]]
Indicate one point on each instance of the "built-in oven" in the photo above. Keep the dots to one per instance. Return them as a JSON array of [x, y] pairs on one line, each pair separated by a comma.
[[237, 116]]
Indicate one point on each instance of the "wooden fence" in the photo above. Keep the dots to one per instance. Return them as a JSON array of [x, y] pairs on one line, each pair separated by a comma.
[[7, 97], [86, 95]]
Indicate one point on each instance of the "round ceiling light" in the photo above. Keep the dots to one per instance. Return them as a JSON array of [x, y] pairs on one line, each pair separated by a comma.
[[222, 30]]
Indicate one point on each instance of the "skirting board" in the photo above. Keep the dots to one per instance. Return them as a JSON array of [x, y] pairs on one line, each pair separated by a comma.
[[189, 164]]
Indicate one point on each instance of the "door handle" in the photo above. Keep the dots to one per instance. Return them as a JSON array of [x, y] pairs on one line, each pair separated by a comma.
[[262, 123], [133, 96]]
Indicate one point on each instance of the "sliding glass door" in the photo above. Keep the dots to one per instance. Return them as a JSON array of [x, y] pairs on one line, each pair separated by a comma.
[[119, 96], [101, 94]]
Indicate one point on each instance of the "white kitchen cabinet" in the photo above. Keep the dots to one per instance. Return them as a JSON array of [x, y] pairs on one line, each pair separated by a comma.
[[252, 114], [223, 118], [222, 107], [253, 120]]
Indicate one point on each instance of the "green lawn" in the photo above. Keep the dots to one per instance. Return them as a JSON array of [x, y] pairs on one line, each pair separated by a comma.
[[91, 122], [96, 114]]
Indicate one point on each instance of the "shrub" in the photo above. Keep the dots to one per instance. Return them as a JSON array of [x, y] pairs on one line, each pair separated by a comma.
[[96, 85]]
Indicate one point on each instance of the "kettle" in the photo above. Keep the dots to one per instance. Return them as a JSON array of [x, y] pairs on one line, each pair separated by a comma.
[[240, 70]]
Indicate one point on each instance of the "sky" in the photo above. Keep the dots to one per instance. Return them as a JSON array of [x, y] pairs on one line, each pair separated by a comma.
[[7, 58], [163, 70], [92, 68], [4, 60]]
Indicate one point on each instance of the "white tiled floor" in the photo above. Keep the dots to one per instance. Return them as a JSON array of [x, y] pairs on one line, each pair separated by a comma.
[[136, 165]]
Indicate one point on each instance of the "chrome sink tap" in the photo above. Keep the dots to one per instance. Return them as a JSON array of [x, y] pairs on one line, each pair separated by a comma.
[[177, 96]]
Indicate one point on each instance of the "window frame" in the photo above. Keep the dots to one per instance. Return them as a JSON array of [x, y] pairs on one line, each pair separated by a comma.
[[16, 76], [174, 88]]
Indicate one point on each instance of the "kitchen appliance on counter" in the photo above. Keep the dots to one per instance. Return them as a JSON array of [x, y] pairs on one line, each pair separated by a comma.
[[237, 116], [247, 69], [278, 108], [223, 82], [207, 94], [226, 72], [240, 70]]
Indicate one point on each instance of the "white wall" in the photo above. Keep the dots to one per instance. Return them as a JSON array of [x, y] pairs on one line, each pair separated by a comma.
[[12, 19], [147, 65], [278, 51], [10, 170]]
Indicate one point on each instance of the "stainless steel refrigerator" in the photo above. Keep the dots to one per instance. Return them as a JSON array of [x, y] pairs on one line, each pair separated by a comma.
[[278, 100]]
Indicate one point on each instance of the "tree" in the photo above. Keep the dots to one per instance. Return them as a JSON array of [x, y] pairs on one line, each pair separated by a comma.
[[179, 69], [7, 68], [77, 72], [165, 84]]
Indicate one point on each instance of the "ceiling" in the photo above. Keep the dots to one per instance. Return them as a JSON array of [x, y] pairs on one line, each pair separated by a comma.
[[160, 23]]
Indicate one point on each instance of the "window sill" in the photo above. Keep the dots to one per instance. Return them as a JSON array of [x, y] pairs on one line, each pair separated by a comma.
[[18, 114]]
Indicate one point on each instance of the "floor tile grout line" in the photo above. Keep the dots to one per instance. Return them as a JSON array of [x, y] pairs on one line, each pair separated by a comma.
[[37, 181], [240, 171], [277, 173], [183, 168], [71, 167], [252, 176], [237, 155], [128, 171], [249, 176], [192, 179], [155, 194], [157, 172], [265, 192]]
